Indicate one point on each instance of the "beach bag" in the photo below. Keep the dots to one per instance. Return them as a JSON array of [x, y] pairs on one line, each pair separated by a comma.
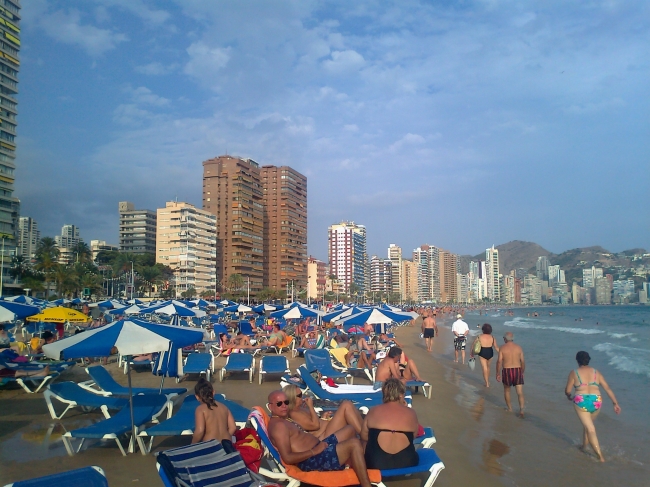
[[249, 446], [471, 363], [476, 348]]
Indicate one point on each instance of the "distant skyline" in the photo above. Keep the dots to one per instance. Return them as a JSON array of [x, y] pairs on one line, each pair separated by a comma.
[[459, 124]]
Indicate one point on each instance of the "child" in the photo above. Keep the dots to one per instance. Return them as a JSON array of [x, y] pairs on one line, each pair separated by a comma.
[[212, 421]]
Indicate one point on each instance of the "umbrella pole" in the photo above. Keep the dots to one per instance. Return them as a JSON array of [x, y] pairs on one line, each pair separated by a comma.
[[133, 432]]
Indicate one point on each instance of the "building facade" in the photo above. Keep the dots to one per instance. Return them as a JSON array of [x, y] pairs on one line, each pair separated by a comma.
[[448, 279], [28, 237], [97, 246], [493, 274], [347, 254], [9, 63], [410, 281], [186, 242], [232, 191], [397, 279], [137, 229], [316, 279], [285, 227]]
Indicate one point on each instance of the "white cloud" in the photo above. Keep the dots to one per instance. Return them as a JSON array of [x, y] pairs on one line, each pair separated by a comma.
[[408, 139], [344, 62], [205, 61], [140, 9], [594, 107], [145, 96], [353, 127]]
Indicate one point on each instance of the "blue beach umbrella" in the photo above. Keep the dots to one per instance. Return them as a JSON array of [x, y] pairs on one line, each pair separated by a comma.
[[262, 308], [20, 310], [238, 308], [374, 316], [296, 312]]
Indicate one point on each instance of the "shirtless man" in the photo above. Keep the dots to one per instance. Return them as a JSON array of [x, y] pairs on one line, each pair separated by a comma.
[[429, 329], [212, 421], [277, 337], [308, 453], [511, 358], [389, 368]]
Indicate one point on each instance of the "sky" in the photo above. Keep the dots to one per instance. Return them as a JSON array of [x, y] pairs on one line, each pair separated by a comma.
[[460, 124]]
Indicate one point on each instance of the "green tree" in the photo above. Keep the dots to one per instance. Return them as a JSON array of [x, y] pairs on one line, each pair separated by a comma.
[[235, 282], [34, 283], [20, 267], [82, 252], [189, 294], [64, 278]]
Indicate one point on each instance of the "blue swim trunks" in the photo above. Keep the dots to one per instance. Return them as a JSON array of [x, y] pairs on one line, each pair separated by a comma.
[[377, 385], [325, 461]]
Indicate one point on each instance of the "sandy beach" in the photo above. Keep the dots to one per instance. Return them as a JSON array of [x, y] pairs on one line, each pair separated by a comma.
[[30, 443]]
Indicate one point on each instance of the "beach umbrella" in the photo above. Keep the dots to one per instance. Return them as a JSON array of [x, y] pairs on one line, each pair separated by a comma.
[[22, 299], [130, 337], [78, 301], [6, 315], [263, 308], [135, 301], [342, 313], [134, 309], [59, 315], [294, 313], [61, 301], [175, 309], [20, 310], [374, 316], [238, 308]]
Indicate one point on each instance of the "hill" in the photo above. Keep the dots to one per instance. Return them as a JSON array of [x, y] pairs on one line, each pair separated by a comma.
[[516, 254]]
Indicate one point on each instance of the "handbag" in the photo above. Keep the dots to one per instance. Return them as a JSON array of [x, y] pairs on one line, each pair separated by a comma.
[[476, 347]]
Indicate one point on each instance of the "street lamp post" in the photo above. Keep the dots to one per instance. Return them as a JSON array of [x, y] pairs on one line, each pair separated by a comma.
[[248, 290], [132, 280]]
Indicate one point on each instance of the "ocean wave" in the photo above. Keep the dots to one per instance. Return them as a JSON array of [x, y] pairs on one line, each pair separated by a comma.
[[564, 329], [620, 335], [626, 359]]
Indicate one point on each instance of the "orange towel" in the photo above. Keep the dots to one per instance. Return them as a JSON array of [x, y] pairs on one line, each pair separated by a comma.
[[339, 478]]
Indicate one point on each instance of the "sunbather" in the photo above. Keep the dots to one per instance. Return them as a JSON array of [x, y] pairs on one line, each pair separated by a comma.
[[14, 373], [312, 340], [212, 421], [307, 452], [390, 368], [301, 412], [277, 337], [5, 341]]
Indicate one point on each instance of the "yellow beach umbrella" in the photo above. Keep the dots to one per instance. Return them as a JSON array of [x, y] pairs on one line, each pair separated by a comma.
[[59, 315]]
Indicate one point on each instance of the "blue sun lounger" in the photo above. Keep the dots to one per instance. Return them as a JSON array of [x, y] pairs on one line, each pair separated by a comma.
[[34, 380], [239, 362], [145, 409], [199, 363], [72, 395], [429, 463], [182, 423], [273, 364], [87, 476], [55, 366], [360, 399], [109, 387], [320, 360]]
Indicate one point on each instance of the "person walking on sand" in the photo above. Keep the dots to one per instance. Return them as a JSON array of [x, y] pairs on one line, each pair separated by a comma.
[[587, 400], [488, 346], [429, 329], [510, 371], [460, 331]]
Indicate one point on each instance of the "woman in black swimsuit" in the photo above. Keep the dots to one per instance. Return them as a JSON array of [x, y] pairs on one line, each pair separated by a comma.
[[488, 345], [389, 429]]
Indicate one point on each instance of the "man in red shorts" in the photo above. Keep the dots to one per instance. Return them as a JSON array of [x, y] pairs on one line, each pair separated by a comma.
[[510, 370]]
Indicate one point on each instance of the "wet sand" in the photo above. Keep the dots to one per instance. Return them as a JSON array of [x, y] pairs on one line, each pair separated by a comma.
[[30, 444]]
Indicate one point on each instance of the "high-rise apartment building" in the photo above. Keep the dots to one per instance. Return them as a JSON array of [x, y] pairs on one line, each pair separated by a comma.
[[28, 237], [66, 242], [186, 242], [347, 254], [137, 229], [447, 269], [397, 279], [410, 281], [542, 268], [232, 191], [9, 66], [493, 274], [97, 246], [316, 278], [589, 276], [285, 227], [381, 272], [603, 290]]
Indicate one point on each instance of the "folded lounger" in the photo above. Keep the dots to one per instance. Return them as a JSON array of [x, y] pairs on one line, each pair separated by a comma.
[[278, 471], [72, 395], [273, 364], [37, 382], [182, 423], [199, 363], [146, 408], [102, 379], [202, 464], [87, 476], [239, 362], [322, 361]]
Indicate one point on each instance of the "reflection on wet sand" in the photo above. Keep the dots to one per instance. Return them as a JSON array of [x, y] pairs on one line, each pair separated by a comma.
[[492, 451], [467, 396], [478, 409]]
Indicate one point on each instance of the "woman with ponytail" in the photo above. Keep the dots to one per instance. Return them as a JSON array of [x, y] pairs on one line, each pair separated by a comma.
[[212, 420]]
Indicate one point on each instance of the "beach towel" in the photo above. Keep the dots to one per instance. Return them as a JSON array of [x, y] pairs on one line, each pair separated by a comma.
[[249, 446]]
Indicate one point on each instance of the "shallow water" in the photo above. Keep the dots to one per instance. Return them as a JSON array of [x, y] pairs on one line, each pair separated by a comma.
[[543, 448]]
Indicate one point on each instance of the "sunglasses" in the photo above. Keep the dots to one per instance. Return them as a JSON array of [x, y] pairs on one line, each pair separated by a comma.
[[299, 394], [280, 403]]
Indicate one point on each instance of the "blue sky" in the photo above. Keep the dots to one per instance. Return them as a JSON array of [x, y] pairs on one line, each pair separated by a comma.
[[456, 123]]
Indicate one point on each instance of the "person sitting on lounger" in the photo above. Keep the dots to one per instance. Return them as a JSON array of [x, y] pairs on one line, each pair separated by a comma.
[[390, 368], [212, 421], [301, 412], [389, 429], [307, 452], [277, 337]]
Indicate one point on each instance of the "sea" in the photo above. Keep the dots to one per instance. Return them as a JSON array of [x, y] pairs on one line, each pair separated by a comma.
[[542, 449]]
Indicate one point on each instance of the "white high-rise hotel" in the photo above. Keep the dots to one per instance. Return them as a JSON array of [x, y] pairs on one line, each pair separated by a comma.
[[347, 253], [492, 274]]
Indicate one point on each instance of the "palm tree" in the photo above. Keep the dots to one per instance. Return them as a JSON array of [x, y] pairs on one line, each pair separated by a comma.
[[235, 282], [64, 277], [19, 267], [82, 252], [34, 284]]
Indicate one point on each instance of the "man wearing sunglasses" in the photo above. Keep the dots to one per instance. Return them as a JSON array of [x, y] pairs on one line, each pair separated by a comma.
[[308, 453]]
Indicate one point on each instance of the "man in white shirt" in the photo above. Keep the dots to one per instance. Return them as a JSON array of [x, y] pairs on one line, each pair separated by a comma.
[[460, 331]]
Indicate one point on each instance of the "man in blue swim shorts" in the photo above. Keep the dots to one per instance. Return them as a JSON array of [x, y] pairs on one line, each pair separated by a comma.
[[299, 447]]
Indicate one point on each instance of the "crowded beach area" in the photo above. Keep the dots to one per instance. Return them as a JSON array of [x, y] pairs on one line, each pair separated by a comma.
[[393, 385]]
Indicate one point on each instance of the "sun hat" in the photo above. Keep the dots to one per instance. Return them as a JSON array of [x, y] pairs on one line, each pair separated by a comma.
[[459, 315]]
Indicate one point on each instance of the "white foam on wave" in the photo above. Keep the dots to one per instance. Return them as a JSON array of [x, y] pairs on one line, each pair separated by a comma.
[[620, 335], [519, 323], [626, 359]]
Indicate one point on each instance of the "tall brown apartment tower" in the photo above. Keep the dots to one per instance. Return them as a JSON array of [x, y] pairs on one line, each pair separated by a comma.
[[232, 190], [285, 228]]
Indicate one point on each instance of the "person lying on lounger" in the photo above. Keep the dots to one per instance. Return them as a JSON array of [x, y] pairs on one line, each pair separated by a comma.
[[12, 373], [276, 338], [307, 452], [212, 421], [301, 412]]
